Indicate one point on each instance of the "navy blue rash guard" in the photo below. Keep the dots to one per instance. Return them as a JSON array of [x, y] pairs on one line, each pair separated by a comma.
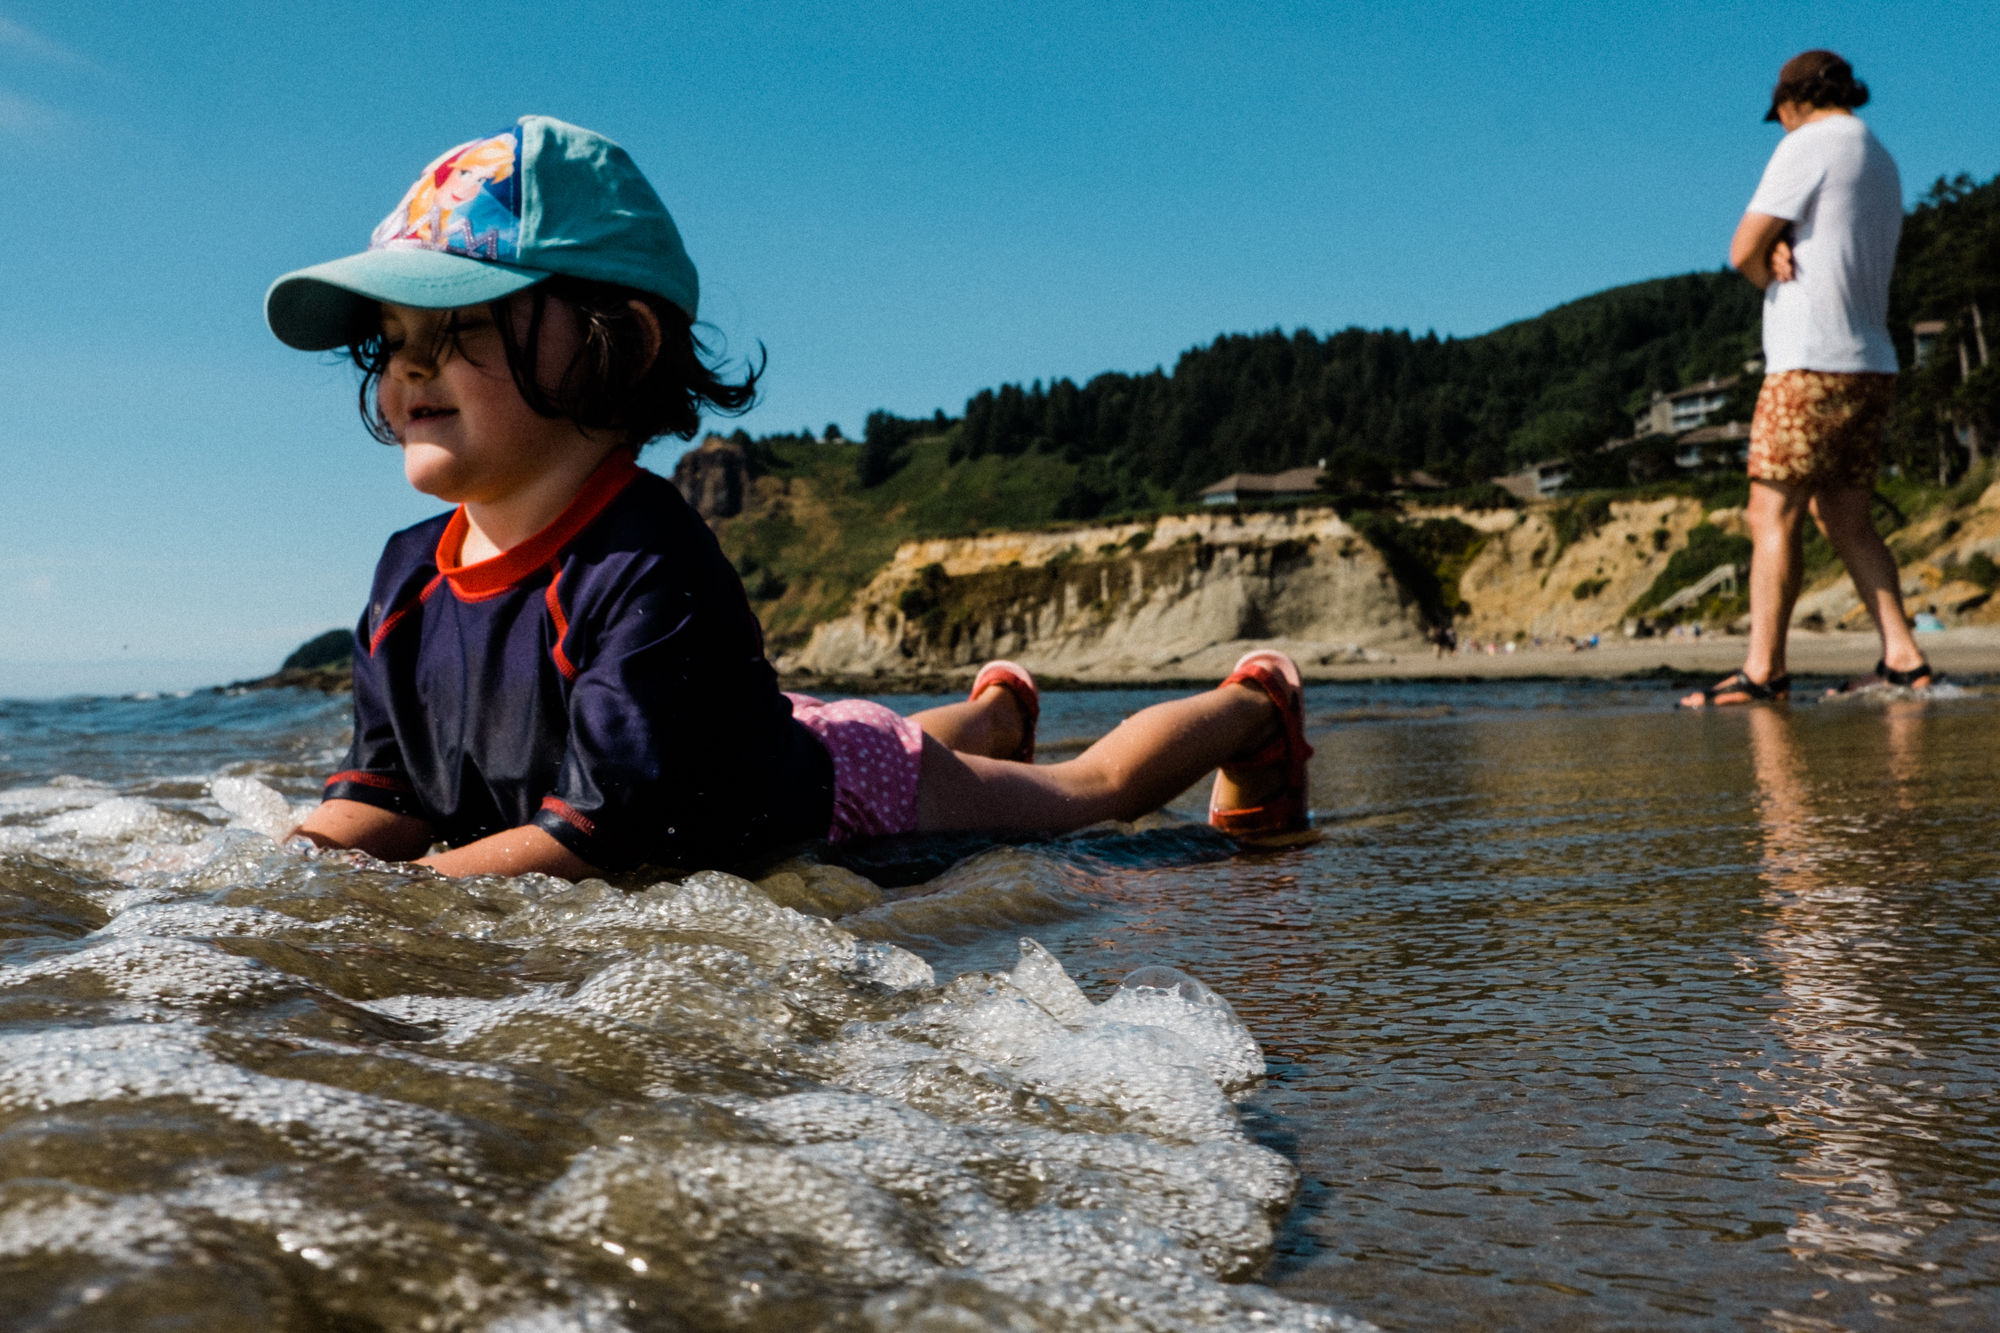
[[604, 681]]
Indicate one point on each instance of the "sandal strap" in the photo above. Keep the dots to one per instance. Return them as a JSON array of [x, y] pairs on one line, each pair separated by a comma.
[[1777, 687], [1290, 703], [1922, 671], [1283, 813], [1015, 680]]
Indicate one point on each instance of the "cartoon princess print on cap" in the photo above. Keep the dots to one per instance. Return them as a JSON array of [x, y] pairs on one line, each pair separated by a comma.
[[467, 202]]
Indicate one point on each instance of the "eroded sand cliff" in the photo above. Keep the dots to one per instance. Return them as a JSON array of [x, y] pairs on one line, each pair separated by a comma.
[[1184, 596], [1178, 596], [1525, 582]]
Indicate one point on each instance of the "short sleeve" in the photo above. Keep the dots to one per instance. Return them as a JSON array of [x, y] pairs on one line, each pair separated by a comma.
[[679, 742], [1792, 179], [373, 773]]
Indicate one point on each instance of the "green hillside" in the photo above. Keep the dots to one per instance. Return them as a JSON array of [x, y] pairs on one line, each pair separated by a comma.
[[824, 514], [811, 533]]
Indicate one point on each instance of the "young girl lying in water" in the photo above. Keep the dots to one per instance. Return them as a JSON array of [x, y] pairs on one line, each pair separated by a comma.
[[563, 674]]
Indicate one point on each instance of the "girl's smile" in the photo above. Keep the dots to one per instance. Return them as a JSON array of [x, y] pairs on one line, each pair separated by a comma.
[[468, 437]]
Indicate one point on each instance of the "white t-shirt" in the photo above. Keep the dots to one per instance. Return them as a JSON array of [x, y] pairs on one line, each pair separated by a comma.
[[1838, 187]]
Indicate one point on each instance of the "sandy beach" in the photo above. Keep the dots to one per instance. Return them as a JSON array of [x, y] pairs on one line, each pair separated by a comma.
[[1968, 651]]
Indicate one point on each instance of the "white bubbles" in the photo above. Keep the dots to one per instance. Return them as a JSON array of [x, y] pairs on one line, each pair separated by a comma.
[[890, 966], [1042, 979], [24, 803], [136, 1233], [120, 819], [1169, 999], [175, 972], [254, 806], [547, 1105]]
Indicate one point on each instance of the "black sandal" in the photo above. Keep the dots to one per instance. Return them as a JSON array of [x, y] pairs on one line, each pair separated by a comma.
[[1777, 689], [1908, 679], [1882, 676]]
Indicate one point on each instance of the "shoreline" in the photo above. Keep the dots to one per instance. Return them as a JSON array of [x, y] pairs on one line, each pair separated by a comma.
[[1972, 651], [1969, 651]]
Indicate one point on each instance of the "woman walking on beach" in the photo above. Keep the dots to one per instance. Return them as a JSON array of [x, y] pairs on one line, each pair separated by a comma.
[[1820, 238]]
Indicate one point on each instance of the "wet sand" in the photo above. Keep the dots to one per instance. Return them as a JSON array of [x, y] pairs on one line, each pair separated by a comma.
[[1819, 658], [1971, 651]]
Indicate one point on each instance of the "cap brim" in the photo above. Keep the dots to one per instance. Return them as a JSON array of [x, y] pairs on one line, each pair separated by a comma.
[[315, 309]]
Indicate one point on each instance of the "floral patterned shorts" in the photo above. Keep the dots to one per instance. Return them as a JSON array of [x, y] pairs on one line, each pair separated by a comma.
[[1822, 428], [877, 755]]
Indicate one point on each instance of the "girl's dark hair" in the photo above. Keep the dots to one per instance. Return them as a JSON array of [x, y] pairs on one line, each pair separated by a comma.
[[607, 384], [1824, 80]]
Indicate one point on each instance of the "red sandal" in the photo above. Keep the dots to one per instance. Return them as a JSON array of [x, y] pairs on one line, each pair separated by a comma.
[[1014, 678], [1283, 816]]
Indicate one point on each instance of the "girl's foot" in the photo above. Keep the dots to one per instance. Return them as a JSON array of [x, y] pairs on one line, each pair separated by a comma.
[[1013, 681], [1261, 797]]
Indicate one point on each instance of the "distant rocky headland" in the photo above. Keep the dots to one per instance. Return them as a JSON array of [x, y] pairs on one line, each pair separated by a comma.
[[323, 663]]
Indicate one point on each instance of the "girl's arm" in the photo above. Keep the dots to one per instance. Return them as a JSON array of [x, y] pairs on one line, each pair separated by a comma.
[[367, 828], [395, 837], [520, 851]]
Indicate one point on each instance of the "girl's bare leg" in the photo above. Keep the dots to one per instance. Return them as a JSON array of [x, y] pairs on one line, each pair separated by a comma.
[[989, 725], [1152, 757]]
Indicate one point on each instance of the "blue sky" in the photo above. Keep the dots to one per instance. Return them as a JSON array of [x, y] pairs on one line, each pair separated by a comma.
[[903, 202]]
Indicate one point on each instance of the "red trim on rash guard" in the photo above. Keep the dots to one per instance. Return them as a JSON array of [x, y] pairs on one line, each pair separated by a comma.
[[369, 780], [487, 578], [382, 630], [563, 664], [564, 811]]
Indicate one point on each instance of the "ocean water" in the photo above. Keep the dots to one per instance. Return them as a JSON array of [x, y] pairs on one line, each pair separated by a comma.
[[1580, 1014]]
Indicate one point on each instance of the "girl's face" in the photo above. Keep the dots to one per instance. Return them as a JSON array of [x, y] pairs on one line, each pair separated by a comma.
[[467, 435]]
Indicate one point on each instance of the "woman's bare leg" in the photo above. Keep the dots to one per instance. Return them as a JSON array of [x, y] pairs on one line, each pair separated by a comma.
[[1776, 514], [1152, 757], [989, 725], [1843, 514]]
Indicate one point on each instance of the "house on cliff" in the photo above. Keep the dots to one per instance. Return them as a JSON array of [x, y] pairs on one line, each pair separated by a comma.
[[1683, 409], [1242, 487]]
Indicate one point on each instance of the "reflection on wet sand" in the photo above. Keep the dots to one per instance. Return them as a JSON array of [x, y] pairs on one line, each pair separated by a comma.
[[1844, 1094]]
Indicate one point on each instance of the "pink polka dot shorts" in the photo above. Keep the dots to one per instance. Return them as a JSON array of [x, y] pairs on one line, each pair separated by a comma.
[[877, 754]]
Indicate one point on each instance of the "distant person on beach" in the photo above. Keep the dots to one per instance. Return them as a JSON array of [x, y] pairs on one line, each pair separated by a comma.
[[563, 674], [1820, 239]]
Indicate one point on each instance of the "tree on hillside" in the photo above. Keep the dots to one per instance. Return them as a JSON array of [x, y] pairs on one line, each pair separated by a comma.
[[1464, 409], [1948, 268], [885, 443], [1557, 386]]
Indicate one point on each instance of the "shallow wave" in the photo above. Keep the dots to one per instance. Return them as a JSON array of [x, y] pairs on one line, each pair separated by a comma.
[[250, 1086]]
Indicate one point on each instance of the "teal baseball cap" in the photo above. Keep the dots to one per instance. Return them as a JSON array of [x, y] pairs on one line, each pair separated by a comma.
[[490, 218]]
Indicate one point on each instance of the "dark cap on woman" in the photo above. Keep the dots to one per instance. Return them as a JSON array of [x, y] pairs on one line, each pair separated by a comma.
[[1817, 78]]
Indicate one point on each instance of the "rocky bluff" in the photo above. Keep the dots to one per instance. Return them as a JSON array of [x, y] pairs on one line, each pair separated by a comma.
[[712, 478], [1178, 597]]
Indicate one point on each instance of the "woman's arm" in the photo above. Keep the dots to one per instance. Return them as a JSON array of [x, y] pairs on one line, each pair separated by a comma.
[[367, 828], [1759, 250]]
